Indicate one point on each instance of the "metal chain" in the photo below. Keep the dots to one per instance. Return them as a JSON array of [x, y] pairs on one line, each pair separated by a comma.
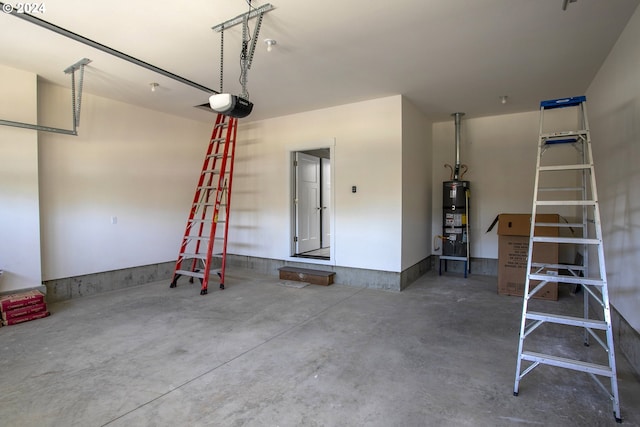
[[256, 31], [221, 59], [80, 94], [243, 57], [73, 99]]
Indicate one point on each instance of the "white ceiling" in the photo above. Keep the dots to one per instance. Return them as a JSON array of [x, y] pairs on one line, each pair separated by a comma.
[[444, 55]]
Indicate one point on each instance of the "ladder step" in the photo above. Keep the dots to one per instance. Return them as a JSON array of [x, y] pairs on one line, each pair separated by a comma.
[[197, 274], [201, 238], [558, 266], [562, 362], [567, 320], [200, 221], [560, 224], [567, 279], [560, 189], [565, 202], [190, 273], [564, 240], [564, 133], [576, 166], [558, 138], [186, 255]]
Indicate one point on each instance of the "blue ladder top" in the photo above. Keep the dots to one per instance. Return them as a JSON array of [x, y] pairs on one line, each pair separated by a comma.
[[562, 102]]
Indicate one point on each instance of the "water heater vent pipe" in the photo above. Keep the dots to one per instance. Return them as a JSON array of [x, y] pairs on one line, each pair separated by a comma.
[[456, 171]]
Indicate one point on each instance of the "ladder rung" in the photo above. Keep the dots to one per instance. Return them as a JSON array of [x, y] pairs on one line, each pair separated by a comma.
[[199, 275], [576, 166], [186, 255], [562, 362], [558, 266], [560, 189], [560, 224], [564, 134], [190, 273], [221, 139], [567, 320], [567, 279], [574, 240], [213, 171], [200, 221], [565, 202], [201, 238]]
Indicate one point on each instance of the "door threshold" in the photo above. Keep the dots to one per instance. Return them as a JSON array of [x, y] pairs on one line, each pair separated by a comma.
[[326, 258]]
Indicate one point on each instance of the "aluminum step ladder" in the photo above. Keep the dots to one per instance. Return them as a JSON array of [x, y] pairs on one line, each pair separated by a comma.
[[568, 187], [204, 245]]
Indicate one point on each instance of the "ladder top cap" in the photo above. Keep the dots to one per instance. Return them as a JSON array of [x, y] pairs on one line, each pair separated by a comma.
[[563, 102]]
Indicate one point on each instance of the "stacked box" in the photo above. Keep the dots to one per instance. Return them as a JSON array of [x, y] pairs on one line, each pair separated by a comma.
[[22, 307]]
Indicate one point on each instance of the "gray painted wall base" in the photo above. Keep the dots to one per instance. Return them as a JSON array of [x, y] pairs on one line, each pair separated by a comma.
[[626, 339], [358, 277], [91, 284]]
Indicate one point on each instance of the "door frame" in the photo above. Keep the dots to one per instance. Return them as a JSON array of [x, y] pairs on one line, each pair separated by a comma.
[[291, 154]]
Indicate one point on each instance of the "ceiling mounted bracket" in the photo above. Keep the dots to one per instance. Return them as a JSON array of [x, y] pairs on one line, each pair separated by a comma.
[[76, 98], [240, 18]]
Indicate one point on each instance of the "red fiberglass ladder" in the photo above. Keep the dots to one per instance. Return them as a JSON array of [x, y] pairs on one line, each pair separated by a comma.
[[204, 245]]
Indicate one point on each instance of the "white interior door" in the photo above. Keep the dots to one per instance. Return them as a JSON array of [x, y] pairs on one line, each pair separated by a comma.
[[307, 203], [326, 202]]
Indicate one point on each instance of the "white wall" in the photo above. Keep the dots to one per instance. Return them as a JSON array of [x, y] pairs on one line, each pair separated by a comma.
[[500, 152], [137, 165], [19, 212], [417, 185], [614, 113], [141, 166], [366, 153]]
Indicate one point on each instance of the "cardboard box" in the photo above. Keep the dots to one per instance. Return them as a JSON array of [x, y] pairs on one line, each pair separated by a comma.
[[513, 249]]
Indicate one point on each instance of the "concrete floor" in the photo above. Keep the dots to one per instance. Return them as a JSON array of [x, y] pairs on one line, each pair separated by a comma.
[[266, 353]]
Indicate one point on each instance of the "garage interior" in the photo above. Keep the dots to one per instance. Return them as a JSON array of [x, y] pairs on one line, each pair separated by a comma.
[[93, 217]]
